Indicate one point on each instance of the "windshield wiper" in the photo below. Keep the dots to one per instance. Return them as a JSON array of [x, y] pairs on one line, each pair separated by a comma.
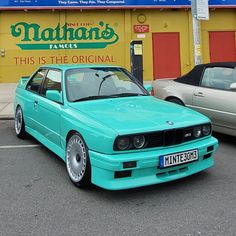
[[131, 94], [103, 80], [109, 96], [93, 98]]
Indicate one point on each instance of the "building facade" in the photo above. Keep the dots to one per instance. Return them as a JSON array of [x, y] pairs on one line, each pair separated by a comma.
[[31, 37]]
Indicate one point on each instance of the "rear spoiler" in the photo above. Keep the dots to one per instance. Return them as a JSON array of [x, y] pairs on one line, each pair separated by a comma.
[[23, 81]]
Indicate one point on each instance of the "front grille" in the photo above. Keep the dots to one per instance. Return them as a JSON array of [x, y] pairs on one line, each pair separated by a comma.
[[169, 137], [172, 137], [165, 138]]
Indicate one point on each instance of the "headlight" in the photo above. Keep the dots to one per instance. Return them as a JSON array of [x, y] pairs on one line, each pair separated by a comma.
[[139, 141], [206, 129], [122, 143], [197, 132]]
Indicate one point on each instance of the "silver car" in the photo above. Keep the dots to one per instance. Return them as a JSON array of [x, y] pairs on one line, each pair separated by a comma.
[[208, 88]]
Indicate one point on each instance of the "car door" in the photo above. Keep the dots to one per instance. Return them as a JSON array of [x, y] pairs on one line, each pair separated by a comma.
[[31, 98], [49, 111], [214, 97]]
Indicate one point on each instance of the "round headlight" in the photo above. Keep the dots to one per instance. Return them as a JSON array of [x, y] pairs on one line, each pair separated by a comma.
[[122, 143], [139, 141], [197, 132], [206, 129]]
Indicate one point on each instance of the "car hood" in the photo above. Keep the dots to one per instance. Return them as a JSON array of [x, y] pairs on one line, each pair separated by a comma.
[[138, 114]]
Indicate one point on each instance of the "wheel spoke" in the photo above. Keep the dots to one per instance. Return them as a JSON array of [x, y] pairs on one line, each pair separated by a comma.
[[76, 157], [18, 121]]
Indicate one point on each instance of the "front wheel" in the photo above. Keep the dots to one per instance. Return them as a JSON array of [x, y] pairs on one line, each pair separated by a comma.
[[77, 161], [19, 123]]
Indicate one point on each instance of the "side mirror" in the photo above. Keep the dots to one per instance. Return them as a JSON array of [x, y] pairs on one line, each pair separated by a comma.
[[148, 87], [54, 95], [233, 86]]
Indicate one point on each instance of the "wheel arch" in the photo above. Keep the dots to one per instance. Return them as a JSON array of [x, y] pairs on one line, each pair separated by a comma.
[[21, 105], [70, 133], [16, 106], [169, 98]]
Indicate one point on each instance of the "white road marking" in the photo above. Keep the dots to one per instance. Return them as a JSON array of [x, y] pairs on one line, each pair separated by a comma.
[[20, 146]]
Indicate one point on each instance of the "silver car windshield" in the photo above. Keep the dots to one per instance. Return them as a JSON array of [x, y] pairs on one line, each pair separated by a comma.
[[101, 82]]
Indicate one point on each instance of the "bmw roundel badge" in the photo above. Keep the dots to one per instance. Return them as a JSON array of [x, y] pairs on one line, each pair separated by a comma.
[[169, 122]]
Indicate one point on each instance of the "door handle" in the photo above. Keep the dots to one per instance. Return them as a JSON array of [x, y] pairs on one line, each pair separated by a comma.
[[199, 94], [36, 103]]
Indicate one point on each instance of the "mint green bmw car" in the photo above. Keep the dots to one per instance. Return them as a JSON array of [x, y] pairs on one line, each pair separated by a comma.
[[107, 128]]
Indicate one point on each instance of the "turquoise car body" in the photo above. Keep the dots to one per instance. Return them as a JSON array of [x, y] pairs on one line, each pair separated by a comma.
[[101, 121]]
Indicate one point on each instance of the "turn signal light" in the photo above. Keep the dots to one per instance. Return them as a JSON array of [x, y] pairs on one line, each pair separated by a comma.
[[129, 164]]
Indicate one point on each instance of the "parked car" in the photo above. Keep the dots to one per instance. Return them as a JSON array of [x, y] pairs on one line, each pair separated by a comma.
[[108, 129], [207, 88]]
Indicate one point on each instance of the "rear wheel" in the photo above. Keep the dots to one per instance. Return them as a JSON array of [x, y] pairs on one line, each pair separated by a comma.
[[19, 123], [176, 101], [77, 161]]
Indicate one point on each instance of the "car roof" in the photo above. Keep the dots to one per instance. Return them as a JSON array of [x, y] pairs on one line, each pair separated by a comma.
[[75, 66], [194, 76]]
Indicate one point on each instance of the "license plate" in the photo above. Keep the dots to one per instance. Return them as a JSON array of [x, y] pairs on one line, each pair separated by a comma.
[[178, 158]]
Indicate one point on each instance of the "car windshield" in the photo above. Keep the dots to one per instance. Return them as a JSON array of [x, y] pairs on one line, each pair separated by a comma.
[[100, 83]]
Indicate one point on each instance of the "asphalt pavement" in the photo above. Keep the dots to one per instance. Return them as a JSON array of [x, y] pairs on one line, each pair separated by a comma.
[[37, 197]]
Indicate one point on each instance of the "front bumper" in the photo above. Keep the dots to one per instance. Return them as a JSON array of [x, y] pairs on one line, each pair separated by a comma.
[[146, 172]]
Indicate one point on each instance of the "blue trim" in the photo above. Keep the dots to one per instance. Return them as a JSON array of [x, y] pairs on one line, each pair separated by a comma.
[[109, 3]]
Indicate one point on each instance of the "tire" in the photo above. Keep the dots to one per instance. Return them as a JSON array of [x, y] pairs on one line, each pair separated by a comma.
[[19, 123], [77, 161], [176, 101]]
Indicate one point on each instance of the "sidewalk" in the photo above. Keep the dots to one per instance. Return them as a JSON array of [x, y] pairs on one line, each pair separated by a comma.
[[7, 94]]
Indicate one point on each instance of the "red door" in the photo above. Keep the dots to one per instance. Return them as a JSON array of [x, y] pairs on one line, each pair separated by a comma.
[[222, 46], [166, 55]]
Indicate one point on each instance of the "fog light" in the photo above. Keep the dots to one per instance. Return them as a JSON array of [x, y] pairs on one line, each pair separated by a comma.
[[206, 156], [129, 164], [122, 174]]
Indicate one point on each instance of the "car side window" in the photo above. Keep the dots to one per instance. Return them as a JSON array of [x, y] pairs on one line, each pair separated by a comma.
[[218, 77], [52, 81], [35, 83]]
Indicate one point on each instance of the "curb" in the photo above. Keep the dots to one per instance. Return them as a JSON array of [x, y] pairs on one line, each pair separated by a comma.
[[10, 117]]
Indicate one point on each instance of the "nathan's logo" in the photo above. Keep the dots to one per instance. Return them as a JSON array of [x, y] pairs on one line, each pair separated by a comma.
[[33, 37]]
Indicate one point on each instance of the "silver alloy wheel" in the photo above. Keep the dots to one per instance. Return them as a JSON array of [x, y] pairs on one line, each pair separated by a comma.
[[76, 158], [18, 120]]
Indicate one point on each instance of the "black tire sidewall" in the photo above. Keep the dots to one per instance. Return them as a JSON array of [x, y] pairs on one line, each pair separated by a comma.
[[22, 133]]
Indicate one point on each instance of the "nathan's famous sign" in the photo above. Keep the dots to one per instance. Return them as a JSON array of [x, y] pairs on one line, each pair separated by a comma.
[[34, 37]]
